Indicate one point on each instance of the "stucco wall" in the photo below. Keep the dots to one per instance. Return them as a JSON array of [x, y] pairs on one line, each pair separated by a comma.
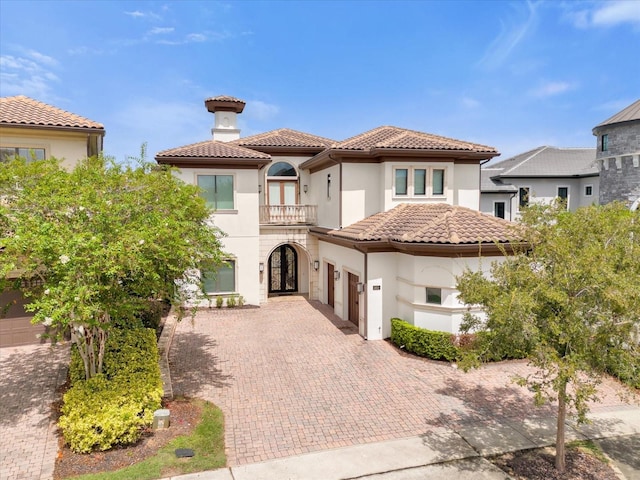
[[487, 201], [66, 146], [466, 186], [361, 191], [328, 205]]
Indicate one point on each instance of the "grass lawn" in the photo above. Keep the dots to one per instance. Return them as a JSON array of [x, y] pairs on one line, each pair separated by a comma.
[[207, 441]]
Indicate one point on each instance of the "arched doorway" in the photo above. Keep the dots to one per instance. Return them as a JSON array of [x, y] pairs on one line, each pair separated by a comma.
[[282, 181], [283, 270]]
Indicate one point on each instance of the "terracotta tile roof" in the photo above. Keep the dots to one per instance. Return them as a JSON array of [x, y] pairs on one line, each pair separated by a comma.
[[284, 137], [632, 112], [24, 111], [438, 223], [212, 149], [401, 138]]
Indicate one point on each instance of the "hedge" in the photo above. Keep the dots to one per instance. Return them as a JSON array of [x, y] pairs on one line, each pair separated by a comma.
[[425, 343], [114, 407]]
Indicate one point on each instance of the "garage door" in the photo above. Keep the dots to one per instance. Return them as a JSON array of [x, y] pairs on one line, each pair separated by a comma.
[[15, 325]]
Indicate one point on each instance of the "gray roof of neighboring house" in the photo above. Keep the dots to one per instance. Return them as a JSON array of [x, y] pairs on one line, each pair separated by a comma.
[[494, 185], [632, 112], [548, 162]]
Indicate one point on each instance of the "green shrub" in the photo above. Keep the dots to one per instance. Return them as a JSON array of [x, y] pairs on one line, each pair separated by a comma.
[[621, 364], [219, 302], [231, 301], [113, 407], [240, 301], [422, 342]]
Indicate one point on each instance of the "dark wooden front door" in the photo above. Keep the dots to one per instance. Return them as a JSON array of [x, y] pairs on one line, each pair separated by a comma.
[[354, 311], [283, 270], [330, 284]]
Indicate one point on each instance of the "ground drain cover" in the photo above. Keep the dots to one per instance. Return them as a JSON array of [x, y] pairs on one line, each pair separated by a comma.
[[184, 452]]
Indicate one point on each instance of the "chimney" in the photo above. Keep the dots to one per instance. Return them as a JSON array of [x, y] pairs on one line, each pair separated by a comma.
[[226, 110]]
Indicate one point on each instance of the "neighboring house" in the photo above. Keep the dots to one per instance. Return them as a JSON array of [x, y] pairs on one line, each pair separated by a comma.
[[375, 226], [618, 156], [36, 130], [540, 176]]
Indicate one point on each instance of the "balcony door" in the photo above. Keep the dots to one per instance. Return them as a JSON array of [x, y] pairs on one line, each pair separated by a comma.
[[283, 270], [283, 192]]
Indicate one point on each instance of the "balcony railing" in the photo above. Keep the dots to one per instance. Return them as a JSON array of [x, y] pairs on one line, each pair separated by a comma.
[[288, 214]]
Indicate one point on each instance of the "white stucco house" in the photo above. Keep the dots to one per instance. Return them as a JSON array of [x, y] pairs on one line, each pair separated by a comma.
[[376, 226], [540, 176]]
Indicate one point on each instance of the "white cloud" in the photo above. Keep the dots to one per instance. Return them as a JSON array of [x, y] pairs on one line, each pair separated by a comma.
[[261, 110], [606, 14], [196, 37], [161, 30], [469, 102], [27, 76], [135, 14], [42, 58], [512, 33], [550, 89]]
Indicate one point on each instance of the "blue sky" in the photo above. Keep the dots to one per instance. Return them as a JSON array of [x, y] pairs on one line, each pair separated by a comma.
[[514, 75]]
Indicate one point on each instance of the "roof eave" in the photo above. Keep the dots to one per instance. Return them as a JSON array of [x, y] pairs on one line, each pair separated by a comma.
[[199, 162], [99, 130]]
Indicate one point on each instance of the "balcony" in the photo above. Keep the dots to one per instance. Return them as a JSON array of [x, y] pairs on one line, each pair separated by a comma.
[[288, 214]]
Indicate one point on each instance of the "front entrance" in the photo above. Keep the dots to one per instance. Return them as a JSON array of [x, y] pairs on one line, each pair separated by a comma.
[[283, 270], [354, 309], [330, 284]]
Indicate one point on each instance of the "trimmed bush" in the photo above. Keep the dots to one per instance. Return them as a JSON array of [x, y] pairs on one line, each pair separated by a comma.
[[219, 302], [422, 342], [114, 407]]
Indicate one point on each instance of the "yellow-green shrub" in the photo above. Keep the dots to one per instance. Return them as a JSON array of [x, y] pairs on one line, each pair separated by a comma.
[[422, 342]]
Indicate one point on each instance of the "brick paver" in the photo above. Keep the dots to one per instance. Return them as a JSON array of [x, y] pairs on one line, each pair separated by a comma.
[[29, 376], [292, 378]]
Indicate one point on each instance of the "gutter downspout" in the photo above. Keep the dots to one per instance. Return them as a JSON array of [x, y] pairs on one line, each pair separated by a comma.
[[364, 291], [339, 191], [482, 162]]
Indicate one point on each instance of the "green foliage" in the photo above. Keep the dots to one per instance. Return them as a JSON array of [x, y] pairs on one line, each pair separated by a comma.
[[207, 441], [112, 408], [240, 301], [219, 301], [569, 297], [231, 301], [425, 343], [102, 239]]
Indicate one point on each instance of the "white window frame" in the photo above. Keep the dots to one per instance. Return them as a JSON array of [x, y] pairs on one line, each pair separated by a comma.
[[428, 181], [504, 208], [234, 262], [426, 296], [220, 174], [568, 193], [528, 187], [589, 185]]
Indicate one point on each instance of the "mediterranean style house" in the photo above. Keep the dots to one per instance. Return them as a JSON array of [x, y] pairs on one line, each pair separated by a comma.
[[618, 156], [540, 176], [376, 226], [35, 130]]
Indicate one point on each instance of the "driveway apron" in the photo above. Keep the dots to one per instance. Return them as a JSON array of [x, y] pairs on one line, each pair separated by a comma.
[[29, 377], [292, 378]]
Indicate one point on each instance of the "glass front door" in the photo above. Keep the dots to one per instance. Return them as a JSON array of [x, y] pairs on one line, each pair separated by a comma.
[[283, 270]]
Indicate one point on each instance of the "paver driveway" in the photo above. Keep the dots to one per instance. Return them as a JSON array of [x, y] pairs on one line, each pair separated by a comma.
[[29, 377], [293, 378]]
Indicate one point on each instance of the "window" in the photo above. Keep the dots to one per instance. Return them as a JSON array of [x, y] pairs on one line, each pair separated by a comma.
[[437, 182], [401, 181], [588, 190], [217, 190], [419, 181], [221, 280], [30, 154], [498, 209], [434, 295], [523, 197], [282, 169], [563, 195], [604, 142]]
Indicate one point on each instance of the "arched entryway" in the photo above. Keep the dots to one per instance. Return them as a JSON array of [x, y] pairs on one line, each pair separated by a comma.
[[283, 270]]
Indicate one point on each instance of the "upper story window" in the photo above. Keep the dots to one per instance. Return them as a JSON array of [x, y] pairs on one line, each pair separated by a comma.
[[588, 190], [217, 190], [419, 182], [30, 154], [563, 195], [604, 142], [282, 181], [282, 169], [523, 197], [498, 209]]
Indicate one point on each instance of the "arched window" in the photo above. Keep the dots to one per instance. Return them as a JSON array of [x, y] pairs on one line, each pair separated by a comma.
[[282, 181], [282, 169]]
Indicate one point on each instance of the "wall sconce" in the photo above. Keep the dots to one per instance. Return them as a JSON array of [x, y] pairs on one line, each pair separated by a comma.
[[336, 274], [316, 265], [360, 287], [259, 188], [305, 188], [261, 267]]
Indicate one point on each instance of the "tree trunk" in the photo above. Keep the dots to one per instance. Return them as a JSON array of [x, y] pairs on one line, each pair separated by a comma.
[[562, 412]]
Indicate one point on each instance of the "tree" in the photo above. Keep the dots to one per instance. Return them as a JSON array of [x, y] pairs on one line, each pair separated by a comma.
[[569, 296], [92, 246]]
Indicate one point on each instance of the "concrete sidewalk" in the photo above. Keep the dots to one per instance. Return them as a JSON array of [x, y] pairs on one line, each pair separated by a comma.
[[446, 454]]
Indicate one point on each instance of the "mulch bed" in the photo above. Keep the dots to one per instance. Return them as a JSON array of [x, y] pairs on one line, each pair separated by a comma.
[[539, 464], [185, 416]]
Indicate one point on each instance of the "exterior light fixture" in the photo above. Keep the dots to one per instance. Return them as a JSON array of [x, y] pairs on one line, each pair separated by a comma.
[[305, 188], [316, 265], [259, 188], [336, 274], [261, 267]]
